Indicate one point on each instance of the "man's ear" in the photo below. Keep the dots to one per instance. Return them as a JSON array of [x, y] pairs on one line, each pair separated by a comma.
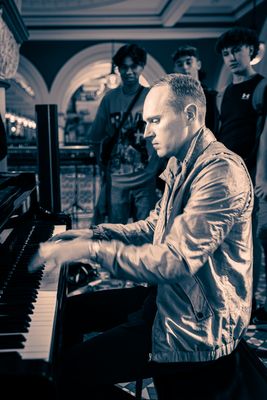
[[191, 112], [199, 65]]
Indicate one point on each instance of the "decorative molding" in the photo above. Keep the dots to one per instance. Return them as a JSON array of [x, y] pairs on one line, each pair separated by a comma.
[[131, 14], [66, 21], [175, 11], [33, 5], [9, 52], [247, 7], [14, 21], [115, 7], [18, 4], [126, 34]]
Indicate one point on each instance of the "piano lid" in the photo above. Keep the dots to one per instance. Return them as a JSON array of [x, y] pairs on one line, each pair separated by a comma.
[[16, 189]]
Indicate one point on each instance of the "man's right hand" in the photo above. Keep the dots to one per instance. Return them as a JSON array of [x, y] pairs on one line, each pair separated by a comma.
[[73, 234]]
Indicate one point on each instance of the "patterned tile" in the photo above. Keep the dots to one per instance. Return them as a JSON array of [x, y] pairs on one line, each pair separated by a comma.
[[148, 392]]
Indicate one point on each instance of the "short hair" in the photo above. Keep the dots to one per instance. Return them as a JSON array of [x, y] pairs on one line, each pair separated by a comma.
[[183, 51], [184, 89], [236, 37], [137, 53]]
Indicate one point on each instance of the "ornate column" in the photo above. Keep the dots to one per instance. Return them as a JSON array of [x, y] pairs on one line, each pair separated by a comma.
[[12, 33]]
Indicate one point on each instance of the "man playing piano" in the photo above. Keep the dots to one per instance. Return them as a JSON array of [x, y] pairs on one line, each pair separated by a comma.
[[195, 253]]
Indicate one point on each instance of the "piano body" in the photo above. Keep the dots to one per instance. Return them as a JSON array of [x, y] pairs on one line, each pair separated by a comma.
[[30, 309]]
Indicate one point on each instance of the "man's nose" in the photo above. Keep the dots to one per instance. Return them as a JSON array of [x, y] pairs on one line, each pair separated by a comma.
[[180, 67], [148, 132], [184, 66], [232, 55], [129, 69]]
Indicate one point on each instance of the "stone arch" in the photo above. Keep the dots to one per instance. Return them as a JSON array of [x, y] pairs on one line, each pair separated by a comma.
[[262, 66], [27, 89], [35, 79]]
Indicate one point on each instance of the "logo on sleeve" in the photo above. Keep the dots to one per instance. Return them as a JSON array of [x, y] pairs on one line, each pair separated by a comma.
[[245, 96]]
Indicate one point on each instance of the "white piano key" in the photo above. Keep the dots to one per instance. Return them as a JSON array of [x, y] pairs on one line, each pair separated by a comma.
[[39, 338]]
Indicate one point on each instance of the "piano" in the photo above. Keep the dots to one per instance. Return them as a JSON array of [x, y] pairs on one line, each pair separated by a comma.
[[30, 308]]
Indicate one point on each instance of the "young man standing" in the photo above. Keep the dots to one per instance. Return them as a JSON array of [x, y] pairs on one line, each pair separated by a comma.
[[130, 162], [239, 118], [186, 61]]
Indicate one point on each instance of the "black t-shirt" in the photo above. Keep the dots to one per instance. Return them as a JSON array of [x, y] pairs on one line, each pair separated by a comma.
[[239, 119], [212, 114]]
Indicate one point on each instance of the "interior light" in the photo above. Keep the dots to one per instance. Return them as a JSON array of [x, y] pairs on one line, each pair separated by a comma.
[[260, 54], [113, 80]]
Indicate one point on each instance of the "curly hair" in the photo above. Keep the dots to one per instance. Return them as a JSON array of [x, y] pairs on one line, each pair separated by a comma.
[[236, 37], [138, 55]]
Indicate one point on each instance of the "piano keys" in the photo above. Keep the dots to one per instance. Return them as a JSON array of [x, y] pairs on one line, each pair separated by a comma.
[[30, 306]]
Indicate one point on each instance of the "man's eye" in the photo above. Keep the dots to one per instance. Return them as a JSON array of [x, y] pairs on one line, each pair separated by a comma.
[[155, 120]]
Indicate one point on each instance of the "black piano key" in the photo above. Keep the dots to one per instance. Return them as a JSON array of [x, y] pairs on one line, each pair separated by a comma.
[[14, 319], [13, 313], [12, 341], [24, 328], [16, 308], [30, 298], [19, 289]]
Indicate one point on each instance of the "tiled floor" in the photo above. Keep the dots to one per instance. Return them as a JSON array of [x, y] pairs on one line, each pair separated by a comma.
[[148, 391]]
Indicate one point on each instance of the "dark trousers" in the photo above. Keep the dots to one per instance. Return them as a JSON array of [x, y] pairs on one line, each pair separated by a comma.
[[89, 369]]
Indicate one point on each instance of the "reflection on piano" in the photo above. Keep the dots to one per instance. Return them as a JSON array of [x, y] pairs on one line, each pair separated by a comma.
[[30, 310]]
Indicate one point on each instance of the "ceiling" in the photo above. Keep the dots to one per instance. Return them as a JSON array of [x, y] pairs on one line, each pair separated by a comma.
[[130, 19]]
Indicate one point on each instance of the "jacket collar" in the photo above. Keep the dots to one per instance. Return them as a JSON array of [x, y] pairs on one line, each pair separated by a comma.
[[203, 138]]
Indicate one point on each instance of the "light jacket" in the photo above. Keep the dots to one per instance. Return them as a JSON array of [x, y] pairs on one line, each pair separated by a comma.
[[196, 246]]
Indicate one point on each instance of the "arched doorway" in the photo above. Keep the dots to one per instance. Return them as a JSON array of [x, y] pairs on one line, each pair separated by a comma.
[[83, 74]]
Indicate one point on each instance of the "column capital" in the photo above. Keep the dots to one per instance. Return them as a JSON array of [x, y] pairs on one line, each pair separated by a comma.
[[11, 15], [9, 52]]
